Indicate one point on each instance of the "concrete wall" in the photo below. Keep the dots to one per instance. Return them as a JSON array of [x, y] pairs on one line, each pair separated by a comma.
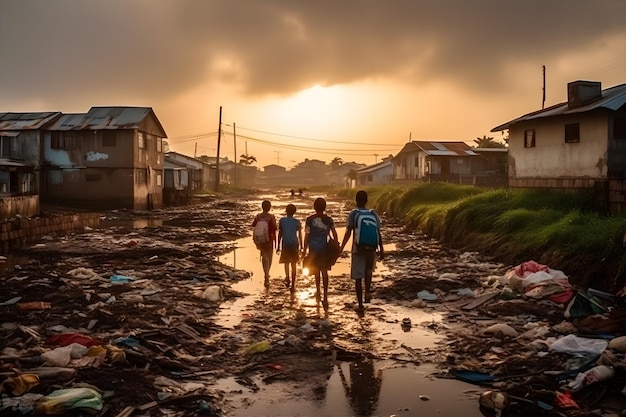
[[552, 158], [16, 233], [25, 206]]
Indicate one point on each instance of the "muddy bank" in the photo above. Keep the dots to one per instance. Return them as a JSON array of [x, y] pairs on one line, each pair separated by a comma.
[[149, 288]]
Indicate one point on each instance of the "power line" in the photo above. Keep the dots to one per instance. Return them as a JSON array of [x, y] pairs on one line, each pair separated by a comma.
[[313, 139]]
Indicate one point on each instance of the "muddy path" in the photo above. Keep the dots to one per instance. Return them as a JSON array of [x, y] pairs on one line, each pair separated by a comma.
[[178, 292]]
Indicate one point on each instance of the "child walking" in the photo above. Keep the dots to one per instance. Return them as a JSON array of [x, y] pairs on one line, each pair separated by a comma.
[[264, 236], [317, 229], [290, 235]]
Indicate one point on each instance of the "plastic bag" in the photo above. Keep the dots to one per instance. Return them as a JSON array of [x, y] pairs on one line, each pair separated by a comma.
[[62, 400]]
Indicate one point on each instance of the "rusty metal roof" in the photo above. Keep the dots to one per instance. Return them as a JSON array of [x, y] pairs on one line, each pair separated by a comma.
[[613, 98], [439, 148], [26, 121], [102, 118]]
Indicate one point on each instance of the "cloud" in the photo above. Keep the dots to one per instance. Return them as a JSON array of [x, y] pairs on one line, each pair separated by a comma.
[[153, 50]]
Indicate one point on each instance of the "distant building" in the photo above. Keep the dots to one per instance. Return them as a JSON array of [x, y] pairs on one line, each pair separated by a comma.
[[576, 144], [380, 173], [202, 173], [433, 161]]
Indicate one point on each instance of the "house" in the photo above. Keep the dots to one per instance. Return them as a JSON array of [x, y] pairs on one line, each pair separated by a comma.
[[490, 168], [380, 173], [20, 150], [344, 174], [202, 173], [176, 182], [274, 176], [238, 174], [434, 161], [109, 157], [577, 144], [309, 172]]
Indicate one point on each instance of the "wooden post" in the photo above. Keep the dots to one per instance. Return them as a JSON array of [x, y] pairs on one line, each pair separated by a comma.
[[217, 160]]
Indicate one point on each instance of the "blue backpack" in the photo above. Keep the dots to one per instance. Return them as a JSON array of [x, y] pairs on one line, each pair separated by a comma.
[[366, 229]]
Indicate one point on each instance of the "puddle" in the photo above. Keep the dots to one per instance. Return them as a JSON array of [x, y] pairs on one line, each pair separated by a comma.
[[246, 256], [381, 388], [363, 390]]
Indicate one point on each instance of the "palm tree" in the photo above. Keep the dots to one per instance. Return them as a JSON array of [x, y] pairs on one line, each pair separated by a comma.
[[246, 159], [488, 142], [336, 163]]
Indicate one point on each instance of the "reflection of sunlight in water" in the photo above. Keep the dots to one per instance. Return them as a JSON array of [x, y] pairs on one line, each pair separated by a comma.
[[399, 388]]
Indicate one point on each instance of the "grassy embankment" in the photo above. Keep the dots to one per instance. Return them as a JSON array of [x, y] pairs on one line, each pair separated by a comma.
[[561, 230]]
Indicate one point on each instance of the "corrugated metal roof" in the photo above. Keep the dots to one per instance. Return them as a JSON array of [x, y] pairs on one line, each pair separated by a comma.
[[374, 167], [613, 98], [102, 118], [26, 121], [436, 148]]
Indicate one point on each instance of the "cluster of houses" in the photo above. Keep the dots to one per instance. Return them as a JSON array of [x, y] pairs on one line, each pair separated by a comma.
[[115, 157]]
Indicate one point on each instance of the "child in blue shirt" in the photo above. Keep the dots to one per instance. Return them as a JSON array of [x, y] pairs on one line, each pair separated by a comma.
[[290, 235]]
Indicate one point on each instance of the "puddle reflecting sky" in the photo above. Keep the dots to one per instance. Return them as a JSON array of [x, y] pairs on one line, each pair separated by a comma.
[[358, 390], [377, 388]]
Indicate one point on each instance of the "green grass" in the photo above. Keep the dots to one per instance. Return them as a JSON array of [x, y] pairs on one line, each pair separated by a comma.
[[564, 228]]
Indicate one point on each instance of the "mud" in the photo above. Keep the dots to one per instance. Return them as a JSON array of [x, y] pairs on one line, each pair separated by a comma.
[[183, 362]]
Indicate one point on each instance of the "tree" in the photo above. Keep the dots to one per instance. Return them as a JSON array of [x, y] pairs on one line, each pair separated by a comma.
[[488, 142], [336, 163], [246, 159]]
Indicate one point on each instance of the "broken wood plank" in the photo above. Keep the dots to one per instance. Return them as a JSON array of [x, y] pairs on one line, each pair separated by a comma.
[[147, 406], [126, 412], [480, 300]]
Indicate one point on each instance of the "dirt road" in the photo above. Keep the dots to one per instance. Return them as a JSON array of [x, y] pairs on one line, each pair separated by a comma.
[[151, 286]]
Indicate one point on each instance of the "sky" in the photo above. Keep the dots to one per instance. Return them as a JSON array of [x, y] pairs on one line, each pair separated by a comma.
[[300, 79]]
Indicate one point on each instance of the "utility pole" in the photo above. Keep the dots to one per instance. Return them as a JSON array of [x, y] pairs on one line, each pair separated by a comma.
[[277, 157], [217, 160], [543, 101], [195, 151], [235, 151], [376, 156]]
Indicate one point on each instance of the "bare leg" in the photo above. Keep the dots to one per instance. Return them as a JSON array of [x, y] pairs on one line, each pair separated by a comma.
[[325, 278], [286, 274], [266, 260], [317, 286], [368, 285], [358, 286], [293, 275]]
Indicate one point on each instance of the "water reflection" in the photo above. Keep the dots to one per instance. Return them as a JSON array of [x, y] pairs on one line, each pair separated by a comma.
[[363, 388]]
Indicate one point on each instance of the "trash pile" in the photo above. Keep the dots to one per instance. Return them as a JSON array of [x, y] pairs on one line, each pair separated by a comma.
[[538, 344]]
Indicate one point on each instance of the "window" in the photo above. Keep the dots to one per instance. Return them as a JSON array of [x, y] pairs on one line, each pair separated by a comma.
[[5, 146], [141, 176], [141, 140], [159, 144], [529, 138], [619, 128], [109, 138], [65, 140], [417, 162], [159, 179], [572, 132], [370, 178]]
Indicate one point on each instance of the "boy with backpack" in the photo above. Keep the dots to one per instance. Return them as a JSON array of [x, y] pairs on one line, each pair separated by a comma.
[[264, 236], [367, 239], [290, 235]]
